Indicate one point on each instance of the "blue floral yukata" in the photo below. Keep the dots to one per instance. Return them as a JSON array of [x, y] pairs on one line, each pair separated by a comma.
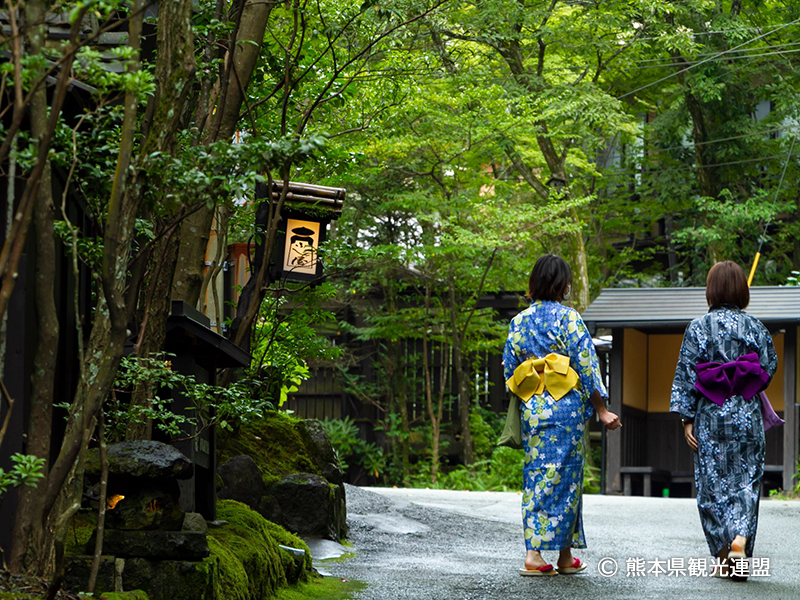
[[729, 463], [552, 431]]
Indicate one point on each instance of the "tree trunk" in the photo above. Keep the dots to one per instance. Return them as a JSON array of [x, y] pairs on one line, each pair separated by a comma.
[[196, 229], [464, 404], [28, 528], [426, 367], [174, 69], [155, 308], [576, 257], [708, 178], [405, 436], [556, 162], [434, 411], [14, 243]]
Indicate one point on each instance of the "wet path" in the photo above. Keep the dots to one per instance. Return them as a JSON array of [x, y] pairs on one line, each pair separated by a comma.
[[446, 545]]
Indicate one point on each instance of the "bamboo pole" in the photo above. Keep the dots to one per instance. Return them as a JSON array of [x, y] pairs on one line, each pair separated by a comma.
[[753, 269]]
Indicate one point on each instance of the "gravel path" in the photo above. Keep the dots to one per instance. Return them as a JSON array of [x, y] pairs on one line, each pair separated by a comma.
[[437, 545]]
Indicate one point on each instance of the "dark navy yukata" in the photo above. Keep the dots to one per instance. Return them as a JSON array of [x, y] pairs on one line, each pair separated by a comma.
[[729, 462]]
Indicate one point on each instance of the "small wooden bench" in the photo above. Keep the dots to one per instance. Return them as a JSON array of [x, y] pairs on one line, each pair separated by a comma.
[[648, 475], [685, 477]]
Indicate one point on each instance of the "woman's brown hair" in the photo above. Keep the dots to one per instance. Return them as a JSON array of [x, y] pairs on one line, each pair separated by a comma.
[[549, 279], [727, 285]]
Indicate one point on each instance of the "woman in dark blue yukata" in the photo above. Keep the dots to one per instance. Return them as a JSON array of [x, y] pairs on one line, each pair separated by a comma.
[[551, 364], [726, 359]]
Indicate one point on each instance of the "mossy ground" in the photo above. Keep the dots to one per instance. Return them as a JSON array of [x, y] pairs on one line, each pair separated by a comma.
[[329, 588], [251, 565], [277, 443]]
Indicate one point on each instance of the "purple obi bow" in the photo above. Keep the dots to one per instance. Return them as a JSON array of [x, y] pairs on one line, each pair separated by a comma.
[[771, 419], [741, 377]]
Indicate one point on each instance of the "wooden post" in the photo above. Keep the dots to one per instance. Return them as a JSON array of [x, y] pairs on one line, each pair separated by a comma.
[[790, 445], [614, 442]]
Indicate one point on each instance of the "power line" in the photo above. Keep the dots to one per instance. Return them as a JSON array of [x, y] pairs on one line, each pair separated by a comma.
[[724, 58], [775, 199], [377, 74], [720, 140], [714, 32], [742, 50], [675, 74], [693, 167]]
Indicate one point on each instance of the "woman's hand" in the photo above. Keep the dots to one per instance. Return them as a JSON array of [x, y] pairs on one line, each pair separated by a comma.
[[609, 419], [688, 432]]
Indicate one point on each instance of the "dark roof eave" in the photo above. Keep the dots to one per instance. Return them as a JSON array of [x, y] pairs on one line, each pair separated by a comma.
[[671, 324], [670, 308]]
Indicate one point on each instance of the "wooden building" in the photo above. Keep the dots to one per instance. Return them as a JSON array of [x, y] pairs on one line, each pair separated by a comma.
[[647, 326]]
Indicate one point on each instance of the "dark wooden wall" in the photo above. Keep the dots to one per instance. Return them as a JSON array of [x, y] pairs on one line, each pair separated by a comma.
[[21, 342], [656, 440]]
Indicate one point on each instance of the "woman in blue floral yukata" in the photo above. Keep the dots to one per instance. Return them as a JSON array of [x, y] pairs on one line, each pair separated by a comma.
[[551, 364], [726, 359]]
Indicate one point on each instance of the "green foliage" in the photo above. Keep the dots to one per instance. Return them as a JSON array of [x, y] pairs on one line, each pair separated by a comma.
[[792, 494], [27, 470], [290, 332], [130, 595], [211, 404], [502, 472], [349, 446], [591, 473], [484, 424]]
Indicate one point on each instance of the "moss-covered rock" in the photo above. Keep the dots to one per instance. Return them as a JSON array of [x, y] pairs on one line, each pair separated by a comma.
[[278, 443], [308, 505], [296, 463], [246, 551]]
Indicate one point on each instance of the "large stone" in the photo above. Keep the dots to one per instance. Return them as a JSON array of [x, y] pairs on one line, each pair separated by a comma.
[[142, 459], [325, 549], [154, 544], [307, 505], [77, 568], [194, 522], [241, 481], [171, 579], [322, 452]]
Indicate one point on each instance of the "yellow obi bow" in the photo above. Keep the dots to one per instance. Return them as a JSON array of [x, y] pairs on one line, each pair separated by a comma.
[[552, 373]]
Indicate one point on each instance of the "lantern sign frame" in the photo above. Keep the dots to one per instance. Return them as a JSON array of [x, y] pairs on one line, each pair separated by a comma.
[[307, 213]]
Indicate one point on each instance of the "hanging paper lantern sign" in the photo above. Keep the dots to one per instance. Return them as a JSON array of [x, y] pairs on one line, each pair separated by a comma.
[[300, 251]]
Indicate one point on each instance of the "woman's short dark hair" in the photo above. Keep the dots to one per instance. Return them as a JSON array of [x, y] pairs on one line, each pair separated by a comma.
[[726, 284], [550, 278]]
